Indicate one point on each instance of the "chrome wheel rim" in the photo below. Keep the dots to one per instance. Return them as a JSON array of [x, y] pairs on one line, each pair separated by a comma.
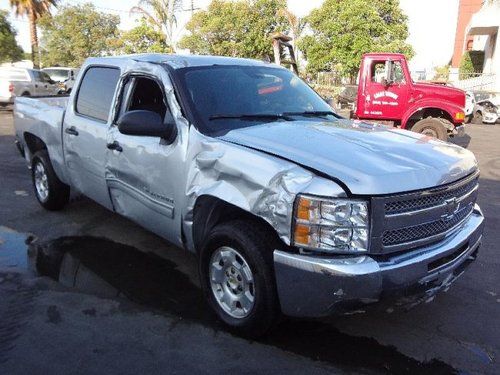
[[232, 282], [41, 182]]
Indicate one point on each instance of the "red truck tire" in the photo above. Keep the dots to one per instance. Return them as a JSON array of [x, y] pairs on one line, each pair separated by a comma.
[[433, 126]]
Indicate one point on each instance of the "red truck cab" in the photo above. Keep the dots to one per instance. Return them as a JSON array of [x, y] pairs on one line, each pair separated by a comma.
[[387, 93]]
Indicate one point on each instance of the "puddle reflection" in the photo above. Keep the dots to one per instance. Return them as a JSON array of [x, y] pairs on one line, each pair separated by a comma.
[[106, 268]]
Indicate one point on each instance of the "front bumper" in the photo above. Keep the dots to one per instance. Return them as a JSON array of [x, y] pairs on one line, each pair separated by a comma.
[[315, 286], [459, 131], [490, 117]]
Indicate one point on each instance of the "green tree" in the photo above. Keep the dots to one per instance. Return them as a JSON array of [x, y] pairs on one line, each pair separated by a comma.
[[141, 39], [471, 62], [34, 10], [236, 28], [9, 49], [77, 32], [161, 14], [343, 30]]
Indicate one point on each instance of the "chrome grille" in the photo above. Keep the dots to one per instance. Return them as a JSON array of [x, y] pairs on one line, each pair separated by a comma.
[[431, 200], [423, 217], [416, 232]]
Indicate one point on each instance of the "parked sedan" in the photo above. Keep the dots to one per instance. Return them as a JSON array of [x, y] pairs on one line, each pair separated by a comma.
[[24, 82]]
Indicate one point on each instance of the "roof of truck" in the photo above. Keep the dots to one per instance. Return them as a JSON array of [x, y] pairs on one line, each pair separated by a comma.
[[185, 61], [381, 54]]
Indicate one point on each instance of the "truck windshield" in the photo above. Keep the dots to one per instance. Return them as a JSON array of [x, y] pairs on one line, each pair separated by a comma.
[[222, 98]]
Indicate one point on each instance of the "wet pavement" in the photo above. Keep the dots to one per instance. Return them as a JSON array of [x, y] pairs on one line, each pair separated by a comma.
[[110, 297]]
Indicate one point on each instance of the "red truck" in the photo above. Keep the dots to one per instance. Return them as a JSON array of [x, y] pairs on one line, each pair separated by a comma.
[[387, 94]]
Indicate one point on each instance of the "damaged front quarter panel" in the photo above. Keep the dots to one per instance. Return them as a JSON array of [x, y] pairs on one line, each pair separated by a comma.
[[263, 185]]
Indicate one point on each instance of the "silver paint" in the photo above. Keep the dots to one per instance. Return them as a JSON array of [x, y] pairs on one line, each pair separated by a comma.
[[309, 285], [259, 169]]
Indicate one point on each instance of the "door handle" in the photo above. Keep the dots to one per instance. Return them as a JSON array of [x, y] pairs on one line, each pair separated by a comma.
[[115, 146], [71, 131]]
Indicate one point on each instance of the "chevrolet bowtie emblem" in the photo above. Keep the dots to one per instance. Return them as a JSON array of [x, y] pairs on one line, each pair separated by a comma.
[[452, 206]]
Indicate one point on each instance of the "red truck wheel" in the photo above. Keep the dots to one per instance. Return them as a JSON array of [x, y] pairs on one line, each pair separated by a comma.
[[433, 127]]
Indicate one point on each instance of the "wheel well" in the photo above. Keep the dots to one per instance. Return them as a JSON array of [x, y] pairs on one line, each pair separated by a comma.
[[427, 112], [26, 93], [34, 143], [210, 211]]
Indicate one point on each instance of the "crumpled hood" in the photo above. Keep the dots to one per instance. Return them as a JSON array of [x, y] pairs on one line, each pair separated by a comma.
[[368, 159]]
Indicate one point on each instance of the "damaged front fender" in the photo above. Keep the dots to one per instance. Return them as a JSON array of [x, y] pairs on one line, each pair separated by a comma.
[[262, 185]]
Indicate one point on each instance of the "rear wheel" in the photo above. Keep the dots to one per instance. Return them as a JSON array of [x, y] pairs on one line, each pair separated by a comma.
[[478, 118], [237, 276], [50, 191], [432, 127]]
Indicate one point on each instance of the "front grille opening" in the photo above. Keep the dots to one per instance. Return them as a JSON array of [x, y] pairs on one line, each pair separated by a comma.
[[447, 259], [426, 230], [427, 201]]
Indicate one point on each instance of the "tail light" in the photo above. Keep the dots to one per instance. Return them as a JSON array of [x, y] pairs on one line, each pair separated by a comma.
[[11, 87]]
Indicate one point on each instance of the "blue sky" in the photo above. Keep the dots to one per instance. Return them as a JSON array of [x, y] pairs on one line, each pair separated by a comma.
[[432, 23]]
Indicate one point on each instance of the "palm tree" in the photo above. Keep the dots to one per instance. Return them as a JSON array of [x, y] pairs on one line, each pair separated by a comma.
[[162, 15], [295, 26], [33, 9]]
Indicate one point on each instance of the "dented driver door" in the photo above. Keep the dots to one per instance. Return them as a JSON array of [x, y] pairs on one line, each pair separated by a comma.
[[143, 172]]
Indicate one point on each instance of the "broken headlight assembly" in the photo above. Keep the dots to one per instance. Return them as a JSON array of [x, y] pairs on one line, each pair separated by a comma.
[[331, 225]]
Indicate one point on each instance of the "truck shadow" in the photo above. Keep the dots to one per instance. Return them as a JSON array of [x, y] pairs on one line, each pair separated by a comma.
[[110, 269], [462, 141]]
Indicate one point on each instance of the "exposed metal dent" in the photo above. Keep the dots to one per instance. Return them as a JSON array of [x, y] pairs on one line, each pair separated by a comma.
[[251, 180]]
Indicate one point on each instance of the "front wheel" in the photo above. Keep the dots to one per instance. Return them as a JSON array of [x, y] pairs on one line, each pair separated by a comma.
[[237, 276], [50, 191], [478, 118], [432, 127]]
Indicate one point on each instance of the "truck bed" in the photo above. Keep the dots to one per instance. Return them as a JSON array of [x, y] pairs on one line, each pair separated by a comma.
[[41, 117]]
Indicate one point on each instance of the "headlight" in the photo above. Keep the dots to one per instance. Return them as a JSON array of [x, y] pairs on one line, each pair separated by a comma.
[[331, 225]]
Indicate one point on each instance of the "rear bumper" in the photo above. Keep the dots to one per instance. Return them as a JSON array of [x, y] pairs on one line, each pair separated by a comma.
[[4, 100], [313, 286]]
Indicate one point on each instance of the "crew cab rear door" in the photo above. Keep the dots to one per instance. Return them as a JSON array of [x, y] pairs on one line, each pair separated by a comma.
[[85, 131], [145, 173]]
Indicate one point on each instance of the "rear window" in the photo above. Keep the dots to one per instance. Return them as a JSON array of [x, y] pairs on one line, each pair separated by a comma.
[[96, 92], [14, 74]]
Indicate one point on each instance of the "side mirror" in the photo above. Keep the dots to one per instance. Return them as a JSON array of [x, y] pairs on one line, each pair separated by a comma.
[[146, 123]]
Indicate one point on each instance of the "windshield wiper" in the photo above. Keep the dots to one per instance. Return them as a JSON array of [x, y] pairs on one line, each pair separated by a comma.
[[253, 116], [311, 113]]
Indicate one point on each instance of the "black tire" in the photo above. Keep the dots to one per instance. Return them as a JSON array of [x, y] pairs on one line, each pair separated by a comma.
[[57, 192], [478, 118], [255, 244], [432, 126], [26, 93]]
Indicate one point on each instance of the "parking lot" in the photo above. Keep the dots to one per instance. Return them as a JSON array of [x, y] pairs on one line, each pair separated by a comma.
[[134, 303]]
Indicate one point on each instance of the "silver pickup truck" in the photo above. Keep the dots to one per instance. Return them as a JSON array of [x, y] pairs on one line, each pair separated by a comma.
[[289, 208]]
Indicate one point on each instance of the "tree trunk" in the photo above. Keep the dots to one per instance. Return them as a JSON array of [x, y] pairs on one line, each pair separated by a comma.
[[34, 39]]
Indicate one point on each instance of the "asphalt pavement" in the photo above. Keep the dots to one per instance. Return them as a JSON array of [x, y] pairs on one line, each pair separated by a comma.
[[127, 302]]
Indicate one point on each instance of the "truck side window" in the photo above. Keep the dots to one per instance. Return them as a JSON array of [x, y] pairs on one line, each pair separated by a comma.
[[377, 71], [399, 75], [146, 95], [96, 92]]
